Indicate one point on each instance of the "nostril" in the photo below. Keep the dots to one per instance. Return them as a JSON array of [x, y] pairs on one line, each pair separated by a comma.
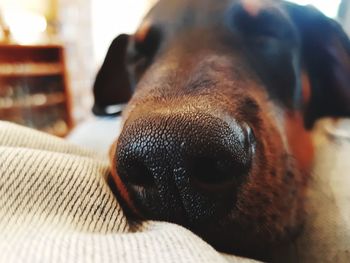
[[210, 173], [138, 174]]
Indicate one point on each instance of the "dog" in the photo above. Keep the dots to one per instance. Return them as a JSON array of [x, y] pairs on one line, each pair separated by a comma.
[[216, 136]]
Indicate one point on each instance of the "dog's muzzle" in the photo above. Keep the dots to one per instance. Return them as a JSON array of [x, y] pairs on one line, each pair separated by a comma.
[[184, 167]]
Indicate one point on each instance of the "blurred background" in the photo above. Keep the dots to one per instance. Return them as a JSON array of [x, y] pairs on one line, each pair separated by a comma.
[[50, 51]]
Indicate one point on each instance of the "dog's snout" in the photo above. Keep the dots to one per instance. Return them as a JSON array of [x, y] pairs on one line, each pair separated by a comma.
[[188, 154], [184, 166]]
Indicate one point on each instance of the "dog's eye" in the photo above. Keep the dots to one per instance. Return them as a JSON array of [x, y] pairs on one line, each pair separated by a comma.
[[150, 44], [145, 47], [141, 51]]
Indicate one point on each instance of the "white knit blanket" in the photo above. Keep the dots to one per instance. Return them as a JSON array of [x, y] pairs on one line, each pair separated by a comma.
[[55, 206]]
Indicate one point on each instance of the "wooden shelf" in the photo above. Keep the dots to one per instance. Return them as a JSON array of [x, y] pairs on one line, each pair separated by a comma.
[[30, 69], [33, 101], [33, 87], [59, 128]]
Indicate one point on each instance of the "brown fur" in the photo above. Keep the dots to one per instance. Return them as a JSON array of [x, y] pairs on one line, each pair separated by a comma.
[[259, 210]]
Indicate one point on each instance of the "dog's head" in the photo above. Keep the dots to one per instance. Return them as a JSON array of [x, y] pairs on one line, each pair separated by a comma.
[[216, 135]]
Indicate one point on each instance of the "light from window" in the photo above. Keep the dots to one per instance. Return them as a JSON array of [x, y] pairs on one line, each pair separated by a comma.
[[329, 7]]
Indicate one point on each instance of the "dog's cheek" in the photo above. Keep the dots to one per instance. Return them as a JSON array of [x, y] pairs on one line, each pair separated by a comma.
[[306, 88], [258, 202], [299, 140], [270, 203]]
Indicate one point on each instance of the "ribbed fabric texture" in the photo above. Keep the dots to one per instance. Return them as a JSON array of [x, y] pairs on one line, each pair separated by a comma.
[[55, 206]]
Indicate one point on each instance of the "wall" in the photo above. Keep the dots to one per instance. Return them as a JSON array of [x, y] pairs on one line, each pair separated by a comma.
[[46, 7], [345, 12], [113, 17], [87, 28], [75, 32]]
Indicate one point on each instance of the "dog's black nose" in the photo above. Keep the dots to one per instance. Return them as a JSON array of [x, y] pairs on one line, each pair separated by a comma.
[[184, 157]]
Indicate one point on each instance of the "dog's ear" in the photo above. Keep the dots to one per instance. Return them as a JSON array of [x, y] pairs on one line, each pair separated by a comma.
[[326, 58], [112, 84]]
